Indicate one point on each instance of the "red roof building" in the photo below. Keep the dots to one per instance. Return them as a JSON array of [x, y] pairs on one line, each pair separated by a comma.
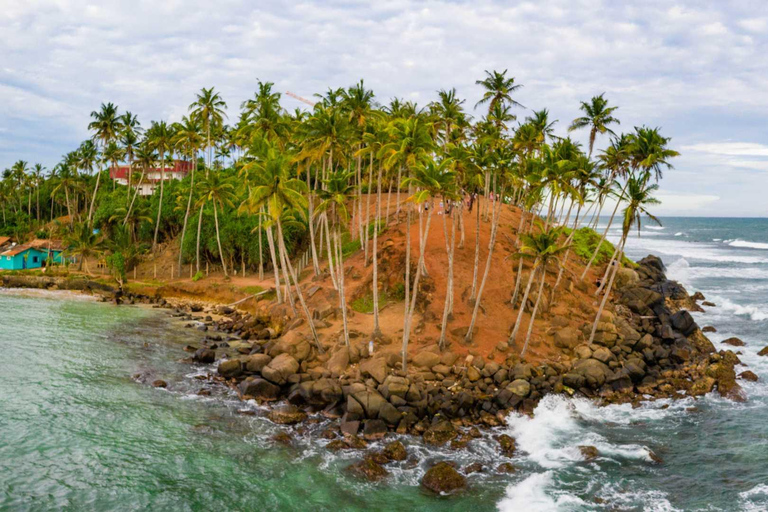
[[152, 176]]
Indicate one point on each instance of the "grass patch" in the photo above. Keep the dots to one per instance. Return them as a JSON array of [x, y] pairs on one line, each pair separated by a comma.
[[584, 243], [252, 290], [364, 304]]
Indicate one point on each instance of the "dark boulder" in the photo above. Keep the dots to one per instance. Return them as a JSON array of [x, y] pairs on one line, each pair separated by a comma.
[[442, 478], [260, 389], [369, 469], [204, 355], [683, 322]]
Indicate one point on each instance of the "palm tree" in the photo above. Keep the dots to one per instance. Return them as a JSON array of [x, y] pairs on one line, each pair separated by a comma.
[[430, 180], [188, 140], [160, 139], [337, 193], [542, 248], [597, 116], [277, 191], [38, 179], [208, 108], [82, 242], [216, 189], [498, 89], [106, 126], [638, 197]]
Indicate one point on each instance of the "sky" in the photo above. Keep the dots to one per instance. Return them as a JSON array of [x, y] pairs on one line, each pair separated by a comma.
[[696, 69]]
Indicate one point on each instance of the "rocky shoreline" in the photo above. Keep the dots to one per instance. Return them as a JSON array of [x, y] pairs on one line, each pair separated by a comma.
[[648, 347]]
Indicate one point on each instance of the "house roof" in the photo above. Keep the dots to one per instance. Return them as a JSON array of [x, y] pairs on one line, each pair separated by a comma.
[[121, 171], [18, 249], [4, 240], [45, 245]]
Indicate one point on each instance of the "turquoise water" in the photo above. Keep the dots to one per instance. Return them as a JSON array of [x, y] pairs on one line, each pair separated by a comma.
[[78, 432]]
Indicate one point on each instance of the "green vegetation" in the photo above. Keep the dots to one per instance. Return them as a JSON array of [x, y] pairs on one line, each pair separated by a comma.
[[275, 189]]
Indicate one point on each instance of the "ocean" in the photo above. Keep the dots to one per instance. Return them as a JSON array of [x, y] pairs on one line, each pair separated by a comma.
[[79, 432]]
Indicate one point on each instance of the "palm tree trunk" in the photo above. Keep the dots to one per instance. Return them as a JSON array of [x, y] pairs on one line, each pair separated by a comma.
[[607, 291], [533, 313], [608, 269], [473, 295], [518, 320], [334, 279], [136, 193], [218, 239], [448, 307], [375, 250], [461, 223], [407, 276], [397, 185], [93, 199], [197, 244], [368, 210], [311, 221], [69, 208], [275, 264], [186, 216], [160, 203], [300, 295], [605, 232], [415, 292], [520, 264], [564, 262], [342, 300], [389, 196], [494, 227], [261, 250]]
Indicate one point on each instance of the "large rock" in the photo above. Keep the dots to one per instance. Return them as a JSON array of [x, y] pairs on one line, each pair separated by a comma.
[[395, 451], [426, 359], [520, 387], [280, 368], [568, 337], [640, 300], [230, 368], [442, 478], [286, 414], [683, 322], [375, 368], [625, 277], [441, 433], [260, 389], [338, 362], [734, 342], [370, 400], [204, 355], [256, 362], [293, 344], [594, 372], [368, 469]]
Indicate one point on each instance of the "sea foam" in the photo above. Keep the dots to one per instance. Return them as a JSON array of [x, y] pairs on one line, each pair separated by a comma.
[[748, 245]]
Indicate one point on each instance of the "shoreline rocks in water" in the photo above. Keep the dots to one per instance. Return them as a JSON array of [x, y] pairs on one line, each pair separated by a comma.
[[647, 343]]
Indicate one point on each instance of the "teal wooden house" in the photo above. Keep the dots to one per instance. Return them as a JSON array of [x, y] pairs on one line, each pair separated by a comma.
[[35, 254], [22, 257]]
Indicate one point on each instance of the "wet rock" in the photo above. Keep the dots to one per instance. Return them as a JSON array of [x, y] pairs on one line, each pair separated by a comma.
[[230, 368], [286, 414], [159, 383], [440, 433], [337, 444], [709, 304], [734, 342], [748, 375], [708, 328], [475, 467], [374, 429], [283, 438], [763, 352], [395, 451], [442, 478], [589, 452], [204, 355], [505, 468], [368, 469], [260, 389], [507, 445]]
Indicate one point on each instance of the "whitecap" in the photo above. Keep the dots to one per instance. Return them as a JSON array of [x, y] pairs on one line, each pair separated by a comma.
[[749, 310], [659, 228], [749, 245], [679, 233], [535, 494], [755, 498]]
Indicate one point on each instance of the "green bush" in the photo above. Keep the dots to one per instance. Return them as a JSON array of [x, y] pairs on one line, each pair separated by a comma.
[[198, 276]]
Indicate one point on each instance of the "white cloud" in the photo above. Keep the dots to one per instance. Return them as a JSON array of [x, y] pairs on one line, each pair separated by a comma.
[[698, 70]]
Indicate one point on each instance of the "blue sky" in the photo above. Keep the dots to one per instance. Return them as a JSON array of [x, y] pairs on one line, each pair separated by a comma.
[[697, 69]]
